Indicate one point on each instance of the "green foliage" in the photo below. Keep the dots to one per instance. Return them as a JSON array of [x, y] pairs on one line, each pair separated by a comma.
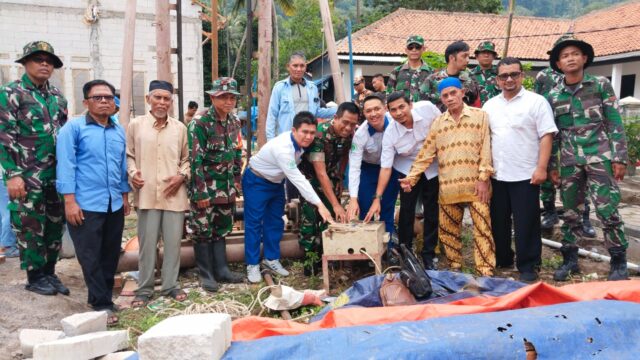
[[433, 59], [482, 6], [555, 8], [632, 130], [528, 81], [310, 259], [301, 32], [551, 263]]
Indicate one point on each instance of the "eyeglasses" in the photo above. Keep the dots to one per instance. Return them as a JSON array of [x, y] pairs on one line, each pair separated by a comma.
[[98, 98], [414, 47], [42, 59], [514, 75], [357, 83]]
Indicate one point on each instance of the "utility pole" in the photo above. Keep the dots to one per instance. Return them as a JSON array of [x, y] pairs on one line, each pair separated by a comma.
[[214, 39], [358, 12], [512, 5], [265, 39], [325, 12], [126, 80], [163, 41]]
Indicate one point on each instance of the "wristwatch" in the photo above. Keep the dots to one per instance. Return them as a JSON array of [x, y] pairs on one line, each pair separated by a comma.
[[376, 196]]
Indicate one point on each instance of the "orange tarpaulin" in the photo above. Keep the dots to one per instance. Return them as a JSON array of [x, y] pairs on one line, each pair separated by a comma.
[[540, 294]]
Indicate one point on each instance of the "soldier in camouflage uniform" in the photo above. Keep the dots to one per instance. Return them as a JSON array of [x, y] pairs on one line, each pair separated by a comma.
[[485, 73], [324, 165], [361, 93], [410, 77], [215, 147], [457, 56], [591, 150], [546, 80], [31, 112]]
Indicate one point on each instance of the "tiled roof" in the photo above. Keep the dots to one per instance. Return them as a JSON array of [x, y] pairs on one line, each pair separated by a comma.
[[531, 37]]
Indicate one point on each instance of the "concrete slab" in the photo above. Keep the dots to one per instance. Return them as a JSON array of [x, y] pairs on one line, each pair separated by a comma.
[[121, 355], [29, 338], [84, 323], [194, 337], [82, 347]]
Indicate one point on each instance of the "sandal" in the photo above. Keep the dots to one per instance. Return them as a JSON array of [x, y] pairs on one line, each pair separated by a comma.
[[112, 318], [140, 301], [178, 295]]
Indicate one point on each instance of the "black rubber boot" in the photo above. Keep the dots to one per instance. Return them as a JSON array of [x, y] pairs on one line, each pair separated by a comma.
[[203, 252], [569, 263], [38, 283], [221, 267], [549, 216], [618, 264], [428, 262], [587, 229], [50, 272]]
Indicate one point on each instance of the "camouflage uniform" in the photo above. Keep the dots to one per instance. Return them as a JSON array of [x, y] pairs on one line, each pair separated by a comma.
[[29, 120], [358, 101], [410, 81], [469, 85], [591, 137], [215, 146], [334, 150], [487, 82], [486, 79], [546, 80]]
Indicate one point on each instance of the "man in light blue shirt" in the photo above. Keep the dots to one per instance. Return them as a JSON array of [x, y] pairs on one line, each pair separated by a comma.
[[92, 177], [292, 95]]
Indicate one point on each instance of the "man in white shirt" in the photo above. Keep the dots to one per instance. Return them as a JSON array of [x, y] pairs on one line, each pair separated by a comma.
[[522, 129], [262, 184], [364, 165], [401, 143]]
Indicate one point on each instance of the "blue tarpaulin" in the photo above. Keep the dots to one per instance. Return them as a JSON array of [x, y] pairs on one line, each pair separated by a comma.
[[603, 329], [447, 286]]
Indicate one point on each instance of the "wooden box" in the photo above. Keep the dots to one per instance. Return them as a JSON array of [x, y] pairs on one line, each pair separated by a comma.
[[350, 238]]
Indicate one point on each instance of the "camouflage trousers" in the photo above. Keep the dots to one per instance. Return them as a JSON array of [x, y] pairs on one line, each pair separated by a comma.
[[605, 196], [311, 224], [37, 222], [547, 192], [212, 223]]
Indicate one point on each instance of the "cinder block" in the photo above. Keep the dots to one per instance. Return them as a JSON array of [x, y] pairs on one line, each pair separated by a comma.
[[84, 323], [194, 337], [82, 347], [122, 355], [29, 338]]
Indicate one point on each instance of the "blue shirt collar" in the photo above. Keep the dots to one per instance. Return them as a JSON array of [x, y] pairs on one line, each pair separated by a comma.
[[296, 147], [90, 120], [302, 82], [372, 130]]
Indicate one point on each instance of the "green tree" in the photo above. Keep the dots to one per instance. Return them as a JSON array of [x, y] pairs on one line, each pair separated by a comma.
[[482, 6]]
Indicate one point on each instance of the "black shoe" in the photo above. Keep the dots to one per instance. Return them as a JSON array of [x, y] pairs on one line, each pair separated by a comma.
[[549, 216], [221, 270], [528, 276], [618, 264], [569, 263], [587, 229], [203, 252], [429, 263], [57, 284], [39, 284]]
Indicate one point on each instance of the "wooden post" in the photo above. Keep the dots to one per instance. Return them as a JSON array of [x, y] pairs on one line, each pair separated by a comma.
[[512, 5], [163, 41], [265, 38], [331, 50], [214, 39], [126, 80]]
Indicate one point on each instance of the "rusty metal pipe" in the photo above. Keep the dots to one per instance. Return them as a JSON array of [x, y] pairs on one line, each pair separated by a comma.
[[289, 249]]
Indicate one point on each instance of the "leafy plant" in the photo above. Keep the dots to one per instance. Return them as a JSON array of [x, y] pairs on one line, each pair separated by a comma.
[[528, 81], [632, 130], [310, 259]]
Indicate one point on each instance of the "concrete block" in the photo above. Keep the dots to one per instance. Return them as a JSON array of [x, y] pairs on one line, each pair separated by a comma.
[[29, 338], [84, 323], [82, 347], [195, 337], [122, 355]]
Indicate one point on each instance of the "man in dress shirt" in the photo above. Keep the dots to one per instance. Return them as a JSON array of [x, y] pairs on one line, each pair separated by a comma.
[[401, 143], [522, 129], [262, 182], [292, 95], [364, 165], [92, 177], [158, 165]]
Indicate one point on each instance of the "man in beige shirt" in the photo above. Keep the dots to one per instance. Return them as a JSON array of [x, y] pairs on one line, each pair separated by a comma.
[[158, 166]]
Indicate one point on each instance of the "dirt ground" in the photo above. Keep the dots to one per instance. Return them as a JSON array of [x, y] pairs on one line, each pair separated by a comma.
[[22, 309]]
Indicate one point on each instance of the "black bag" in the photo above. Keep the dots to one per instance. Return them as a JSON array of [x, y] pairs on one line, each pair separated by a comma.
[[413, 275]]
